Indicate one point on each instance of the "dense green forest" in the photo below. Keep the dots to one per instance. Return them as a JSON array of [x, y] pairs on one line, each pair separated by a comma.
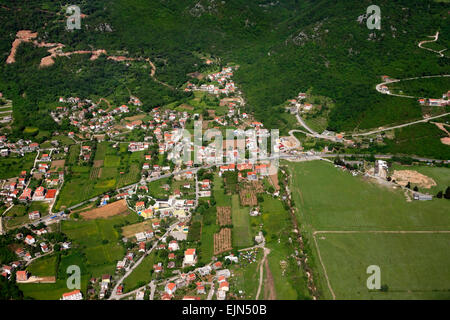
[[282, 47]]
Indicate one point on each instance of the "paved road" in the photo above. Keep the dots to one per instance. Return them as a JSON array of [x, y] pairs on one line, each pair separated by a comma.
[[378, 86], [211, 292], [399, 126], [436, 37], [114, 296]]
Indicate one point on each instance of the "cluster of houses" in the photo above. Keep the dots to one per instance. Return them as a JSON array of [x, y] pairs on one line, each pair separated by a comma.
[[18, 189], [20, 147], [33, 246], [221, 83], [435, 102], [88, 117], [201, 277], [174, 206], [297, 104]]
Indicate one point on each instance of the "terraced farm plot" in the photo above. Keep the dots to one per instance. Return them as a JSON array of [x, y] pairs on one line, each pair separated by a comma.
[[108, 173], [131, 177], [222, 241], [224, 216], [74, 153]]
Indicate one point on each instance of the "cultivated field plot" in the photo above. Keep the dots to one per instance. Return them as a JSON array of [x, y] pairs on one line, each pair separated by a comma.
[[242, 236], [58, 164], [247, 194], [106, 211], [222, 241], [258, 186], [224, 216], [95, 173], [111, 169], [409, 268], [358, 223], [131, 230]]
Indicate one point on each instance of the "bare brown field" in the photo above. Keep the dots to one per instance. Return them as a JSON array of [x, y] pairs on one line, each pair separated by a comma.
[[131, 230], [274, 180], [187, 107], [404, 176], [137, 117], [258, 186], [224, 216], [247, 195], [98, 163], [222, 241], [107, 211], [58, 164]]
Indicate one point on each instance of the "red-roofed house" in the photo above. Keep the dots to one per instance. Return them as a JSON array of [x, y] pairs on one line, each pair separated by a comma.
[[170, 288], [73, 295], [22, 275], [51, 194], [190, 256]]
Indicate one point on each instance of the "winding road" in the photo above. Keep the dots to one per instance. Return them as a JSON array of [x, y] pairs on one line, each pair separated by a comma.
[[436, 37]]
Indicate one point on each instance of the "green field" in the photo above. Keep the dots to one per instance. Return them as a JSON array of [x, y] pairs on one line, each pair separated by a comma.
[[43, 267], [413, 266], [47, 266], [141, 275], [12, 166], [98, 241], [241, 235], [120, 168], [329, 199], [18, 214], [49, 291]]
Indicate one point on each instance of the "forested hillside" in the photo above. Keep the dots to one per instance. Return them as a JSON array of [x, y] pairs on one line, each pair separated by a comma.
[[283, 47]]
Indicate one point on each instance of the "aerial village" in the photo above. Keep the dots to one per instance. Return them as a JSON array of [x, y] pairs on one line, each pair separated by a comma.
[[165, 195]]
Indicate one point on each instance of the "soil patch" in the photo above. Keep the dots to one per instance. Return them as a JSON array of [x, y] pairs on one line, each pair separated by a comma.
[[106, 211], [404, 176]]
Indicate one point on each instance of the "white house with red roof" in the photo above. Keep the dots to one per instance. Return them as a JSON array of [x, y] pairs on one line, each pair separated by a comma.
[[73, 295]]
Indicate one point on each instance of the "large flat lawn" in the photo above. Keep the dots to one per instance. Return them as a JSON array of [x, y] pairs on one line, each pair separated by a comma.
[[413, 265], [331, 199]]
